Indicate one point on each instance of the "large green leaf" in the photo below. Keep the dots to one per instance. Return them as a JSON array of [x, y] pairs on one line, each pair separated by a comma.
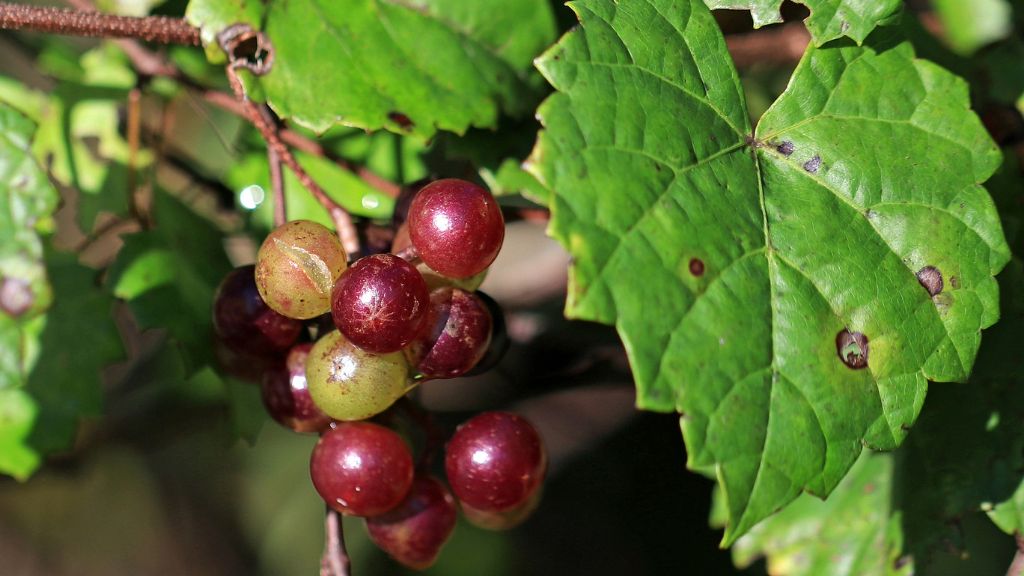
[[854, 532], [829, 19], [737, 266], [168, 276], [411, 66], [79, 340], [27, 200]]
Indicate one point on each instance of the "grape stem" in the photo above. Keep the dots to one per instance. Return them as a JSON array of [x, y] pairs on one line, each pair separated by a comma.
[[84, 23], [276, 176], [1017, 566], [342, 219], [334, 561]]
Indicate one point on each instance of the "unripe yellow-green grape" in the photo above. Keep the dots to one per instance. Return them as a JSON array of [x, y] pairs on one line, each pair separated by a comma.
[[348, 383], [296, 268]]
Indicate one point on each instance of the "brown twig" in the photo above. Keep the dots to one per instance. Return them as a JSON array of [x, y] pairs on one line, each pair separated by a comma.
[[276, 176], [335, 560], [342, 219], [778, 45], [83, 23], [303, 144], [1017, 566]]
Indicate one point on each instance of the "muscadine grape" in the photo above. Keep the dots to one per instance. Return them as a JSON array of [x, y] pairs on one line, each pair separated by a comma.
[[244, 322], [495, 462], [286, 395], [505, 519], [380, 303], [456, 334], [432, 278], [297, 266], [414, 531], [361, 469], [499, 337], [456, 227], [349, 383]]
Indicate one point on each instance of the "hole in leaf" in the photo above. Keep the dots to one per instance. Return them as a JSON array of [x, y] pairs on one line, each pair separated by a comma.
[[931, 279], [852, 348]]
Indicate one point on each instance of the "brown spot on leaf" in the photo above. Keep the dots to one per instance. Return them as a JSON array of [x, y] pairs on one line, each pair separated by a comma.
[[402, 120], [954, 281], [931, 279], [786, 148], [852, 348], [16, 296], [813, 164], [696, 267]]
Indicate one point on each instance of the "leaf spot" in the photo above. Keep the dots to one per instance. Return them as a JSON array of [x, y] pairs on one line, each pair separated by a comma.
[[852, 348], [931, 279], [402, 120], [954, 281], [786, 148], [696, 267], [813, 164]]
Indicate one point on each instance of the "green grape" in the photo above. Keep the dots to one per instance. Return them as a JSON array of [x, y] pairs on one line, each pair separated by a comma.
[[296, 268], [349, 383]]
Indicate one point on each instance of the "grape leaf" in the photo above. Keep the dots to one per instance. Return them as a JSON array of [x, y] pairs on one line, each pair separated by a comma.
[[168, 276], [829, 19], [27, 201], [79, 339], [406, 65], [779, 307], [965, 453], [855, 531]]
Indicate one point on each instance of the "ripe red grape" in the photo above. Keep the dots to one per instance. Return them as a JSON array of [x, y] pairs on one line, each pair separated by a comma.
[[380, 303], [495, 462], [414, 532], [286, 396], [430, 276], [244, 322], [499, 337], [505, 519], [361, 469], [456, 227], [297, 266], [456, 335], [349, 383]]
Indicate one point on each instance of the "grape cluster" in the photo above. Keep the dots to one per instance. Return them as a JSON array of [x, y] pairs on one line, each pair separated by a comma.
[[379, 327]]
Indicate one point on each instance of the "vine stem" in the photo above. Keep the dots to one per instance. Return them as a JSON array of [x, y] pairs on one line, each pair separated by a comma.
[[1017, 566], [85, 23], [342, 219], [335, 560]]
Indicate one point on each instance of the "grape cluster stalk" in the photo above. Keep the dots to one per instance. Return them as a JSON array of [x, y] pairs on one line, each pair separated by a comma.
[[336, 347]]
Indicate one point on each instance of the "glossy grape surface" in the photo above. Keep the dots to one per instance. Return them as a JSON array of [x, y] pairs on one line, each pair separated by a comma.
[[361, 469], [414, 532], [349, 383], [456, 335], [495, 462], [297, 266], [505, 519], [380, 303], [499, 337], [433, 279], [286, 395], [244, 322], [456, 227]]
